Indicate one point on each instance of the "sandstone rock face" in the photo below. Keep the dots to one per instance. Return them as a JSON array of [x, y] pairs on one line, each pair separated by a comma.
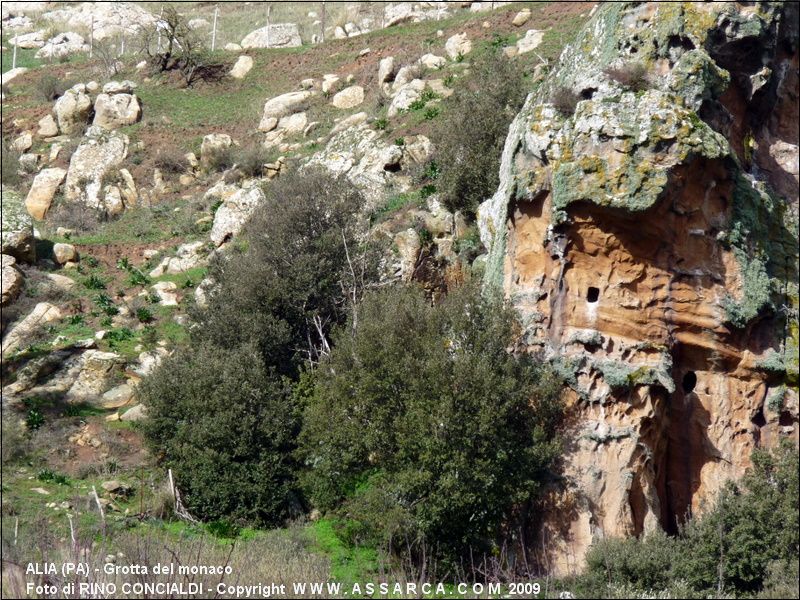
[[188, 256], [278, 35], [650, 263], [42, 190], [72, 111], [100, 153]]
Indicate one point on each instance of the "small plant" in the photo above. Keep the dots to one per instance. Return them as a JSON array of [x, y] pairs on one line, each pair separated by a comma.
[[106, 304], [144, 315], [427, 191], [632, 76], [94, 282], [51, 87], [381, 124], [34, 419], [400, 142], [564, 100], [431, 113], [91, 261], [116, 336], [46, 475], [153, 298], [75, 320]]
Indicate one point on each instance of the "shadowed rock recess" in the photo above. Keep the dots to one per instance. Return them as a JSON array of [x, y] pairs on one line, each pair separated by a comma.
[[649, 240]]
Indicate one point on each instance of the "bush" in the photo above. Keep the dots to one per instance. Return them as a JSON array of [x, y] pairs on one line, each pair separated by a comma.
[[171, 161], [746, 543], [251, 160], [50, 87], [564, 100], [223, 415], [472, 130], [300, 262], [225, 423], [423, 430], [632, 76], [10, 165]]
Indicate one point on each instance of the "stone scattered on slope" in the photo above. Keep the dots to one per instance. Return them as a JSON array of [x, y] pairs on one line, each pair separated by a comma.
[[281, 106], [42, 314], [349, 97], [458, 45], [386, 70], [42, 191], [234, 212], [98, 372], [531, 41], [34, 39], [47, 127], [63, 44], [72, 110], [100, 152], [167, 292], [277, 35], [12, 280], [106, 19], [64, 253], [521, 17], [17, 228], [115, 109], [188, 256], [213, 145], [12, 74], [431, 61], [242, 67]]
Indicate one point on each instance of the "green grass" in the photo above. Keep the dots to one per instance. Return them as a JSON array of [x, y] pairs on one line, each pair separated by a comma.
[[348, 564]]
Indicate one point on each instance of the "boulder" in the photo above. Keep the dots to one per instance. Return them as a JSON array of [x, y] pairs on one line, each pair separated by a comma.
[[34, 39], [349, 97], [134, 414], [234, 212], [530, 41], [198, 23], [431, 61], [118, 396], [112, 111], [99, 153], [329, 82], [72, 111], [16, 228], [63, 44], [458, 45], [42, 191], [293, 124], [405, 75], [231, 47], [12, 280], [521, 17], [408, 246], [23, 142], [188, 256], [64, 253], [282, 105], [106, 19], [386, 70], [114, 87], [97, 373], [42, 313], [278, 35], [12, 74], [167, 292], [47, 127], [406, 96], [242, 67]]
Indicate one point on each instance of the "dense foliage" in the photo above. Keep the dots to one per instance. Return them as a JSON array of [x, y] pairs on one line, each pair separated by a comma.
[[472, 131], [222, 412], [422, 427], [748, 542]]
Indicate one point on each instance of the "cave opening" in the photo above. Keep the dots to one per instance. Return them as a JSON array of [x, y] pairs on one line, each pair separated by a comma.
[[689, 382], [592, 294]]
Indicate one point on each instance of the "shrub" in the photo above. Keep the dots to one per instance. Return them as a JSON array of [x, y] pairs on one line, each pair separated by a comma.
[[144, 315], [472, 129], [232, 458], [171, 161], [251, 160], [564, 100], [10, 165], [424, 430], [74, 215], [221, 159], [632, 76], [50, 87], [94, 282]]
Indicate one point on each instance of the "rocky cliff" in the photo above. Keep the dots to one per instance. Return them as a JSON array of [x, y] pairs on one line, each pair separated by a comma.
[[649, 239]]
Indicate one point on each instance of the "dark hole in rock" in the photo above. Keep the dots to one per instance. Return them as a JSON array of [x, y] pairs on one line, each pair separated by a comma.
[[593, 294], [689, 381]]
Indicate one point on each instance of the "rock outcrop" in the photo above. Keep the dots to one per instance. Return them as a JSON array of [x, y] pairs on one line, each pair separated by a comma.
[[277, 35], [98, 155], [649, 241]]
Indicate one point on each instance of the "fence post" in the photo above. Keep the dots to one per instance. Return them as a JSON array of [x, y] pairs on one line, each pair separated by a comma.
[[91, 38], [214, 30], [322, 24], [14, 58], [269, 13], [158, 27]]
